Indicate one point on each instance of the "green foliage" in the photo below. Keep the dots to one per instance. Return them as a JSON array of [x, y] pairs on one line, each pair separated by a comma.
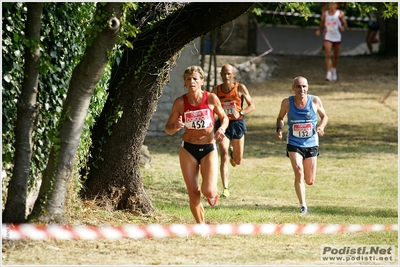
[[14, 16], [390, 10], [62, 46], [114, 118], [307, 9], [128, 30], [12, 72]]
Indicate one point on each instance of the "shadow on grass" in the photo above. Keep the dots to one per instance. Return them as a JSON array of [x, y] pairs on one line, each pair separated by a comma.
[[354, 212], [321, 210], [284, 214], [260, 141], [338, 139]]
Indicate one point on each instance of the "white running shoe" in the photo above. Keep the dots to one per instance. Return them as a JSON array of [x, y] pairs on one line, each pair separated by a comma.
[[328, 76], [334, 75], [303, 211]]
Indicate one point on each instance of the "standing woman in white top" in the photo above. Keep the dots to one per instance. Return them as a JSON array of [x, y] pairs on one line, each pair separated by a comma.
[[334, 22]]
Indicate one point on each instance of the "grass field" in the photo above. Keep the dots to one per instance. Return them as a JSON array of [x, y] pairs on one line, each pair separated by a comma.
[[357, 183]]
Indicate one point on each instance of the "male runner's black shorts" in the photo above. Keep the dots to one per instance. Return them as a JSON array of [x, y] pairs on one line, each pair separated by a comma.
[[305, 152], [236, 129]]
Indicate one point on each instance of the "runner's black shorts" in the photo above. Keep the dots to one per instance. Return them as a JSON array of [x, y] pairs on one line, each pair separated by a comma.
[[305, 152], [236, 129]]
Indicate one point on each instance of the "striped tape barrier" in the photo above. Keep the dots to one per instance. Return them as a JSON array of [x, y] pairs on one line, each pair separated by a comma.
[[53, 231]]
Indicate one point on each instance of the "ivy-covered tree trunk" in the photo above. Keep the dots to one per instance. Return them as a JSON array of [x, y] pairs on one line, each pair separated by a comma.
[[49, 207], [133, 96], [14, 210]]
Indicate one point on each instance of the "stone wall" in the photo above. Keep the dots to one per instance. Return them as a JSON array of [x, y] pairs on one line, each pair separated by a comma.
[[175, 87], [248, 70], [233, 37]]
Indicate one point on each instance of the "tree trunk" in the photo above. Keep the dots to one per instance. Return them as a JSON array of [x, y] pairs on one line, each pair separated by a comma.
[[388, 36], [14, 211], [203, 51], [50, 204], [137, 84]]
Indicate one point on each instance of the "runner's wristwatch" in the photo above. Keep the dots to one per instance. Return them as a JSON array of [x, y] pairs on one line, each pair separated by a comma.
[[241, 113]]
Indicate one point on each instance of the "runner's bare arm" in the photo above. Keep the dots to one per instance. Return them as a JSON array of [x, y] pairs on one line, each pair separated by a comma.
[[279, 121], [174, 123], [246, 95]]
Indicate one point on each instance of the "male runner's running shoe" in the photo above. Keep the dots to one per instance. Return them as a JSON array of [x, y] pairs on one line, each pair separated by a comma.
[[225, 192], [303, 211]]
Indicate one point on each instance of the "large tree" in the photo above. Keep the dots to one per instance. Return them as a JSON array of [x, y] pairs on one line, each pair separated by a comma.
[[50, 204], [24, 158], [14, 210], [134, 91]]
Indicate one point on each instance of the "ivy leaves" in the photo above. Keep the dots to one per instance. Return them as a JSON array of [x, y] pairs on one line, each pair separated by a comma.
[[61, 45]]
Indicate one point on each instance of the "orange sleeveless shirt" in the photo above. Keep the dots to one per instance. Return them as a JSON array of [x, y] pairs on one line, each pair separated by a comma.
[[230, 101]]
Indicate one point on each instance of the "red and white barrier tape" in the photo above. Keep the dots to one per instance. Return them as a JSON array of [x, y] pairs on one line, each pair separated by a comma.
[[40, 232]]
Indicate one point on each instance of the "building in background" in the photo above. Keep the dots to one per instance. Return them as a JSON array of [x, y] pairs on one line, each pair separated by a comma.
[[250, 48]]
